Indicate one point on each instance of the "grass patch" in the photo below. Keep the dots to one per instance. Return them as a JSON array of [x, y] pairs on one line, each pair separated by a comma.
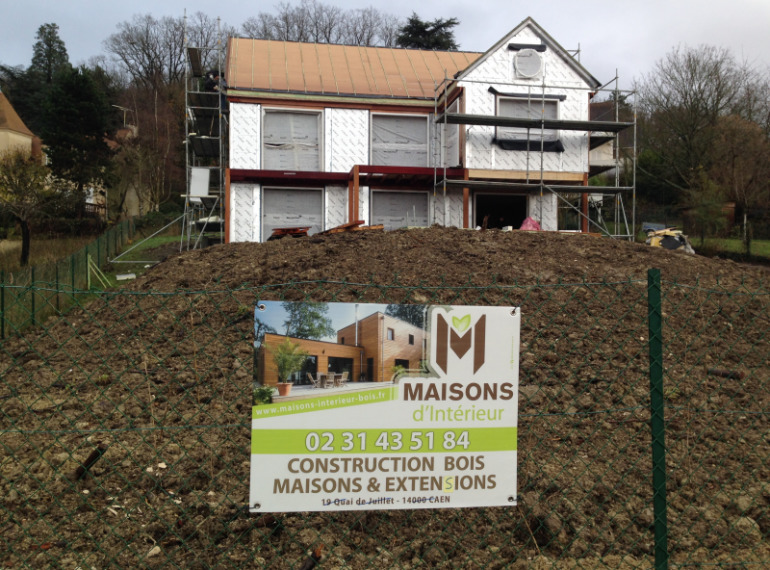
[[141, 255], [732, 248], [42, 251]]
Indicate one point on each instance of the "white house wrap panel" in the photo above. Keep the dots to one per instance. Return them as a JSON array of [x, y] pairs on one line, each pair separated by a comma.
[[545, 210], [448, 209], [244, 136], [346, 139], [336, 205], [244, 213]]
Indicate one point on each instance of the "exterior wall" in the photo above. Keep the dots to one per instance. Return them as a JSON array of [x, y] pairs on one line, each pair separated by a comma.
[[10, 140], [544, 210], [336, 206], [346, 139], [267, 373], [372, 337], [244, 222], [557, 78], [448, 209], [245, 125]]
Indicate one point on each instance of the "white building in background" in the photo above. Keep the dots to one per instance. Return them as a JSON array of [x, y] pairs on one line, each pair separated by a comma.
[[322, 135]]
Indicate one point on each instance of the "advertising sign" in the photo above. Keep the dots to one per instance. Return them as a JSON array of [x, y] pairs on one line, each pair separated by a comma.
[[392, 407]]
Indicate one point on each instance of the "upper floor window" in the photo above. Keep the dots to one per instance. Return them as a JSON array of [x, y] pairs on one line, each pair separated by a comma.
[[291, 140], [527, 109], [399, 140]]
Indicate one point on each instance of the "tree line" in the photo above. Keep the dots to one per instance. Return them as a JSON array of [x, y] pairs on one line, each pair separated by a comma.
[[117, 122], [704, 128]]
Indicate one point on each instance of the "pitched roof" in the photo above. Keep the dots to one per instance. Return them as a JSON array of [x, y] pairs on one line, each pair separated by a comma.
[[546, 38], [9, 119], [338, 70]]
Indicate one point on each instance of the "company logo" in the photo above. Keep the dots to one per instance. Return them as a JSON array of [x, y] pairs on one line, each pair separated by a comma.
[[460, 338]]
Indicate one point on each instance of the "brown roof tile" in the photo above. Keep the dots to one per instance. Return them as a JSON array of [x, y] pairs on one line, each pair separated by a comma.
[[269, 65]]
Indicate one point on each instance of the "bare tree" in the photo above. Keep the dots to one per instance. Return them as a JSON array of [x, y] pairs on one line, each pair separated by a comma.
[[326, 22], [362, 27], [313, 21], [150, 51], [681, 101], [260, 27], [209, 34], [741, 167], [389, 29]]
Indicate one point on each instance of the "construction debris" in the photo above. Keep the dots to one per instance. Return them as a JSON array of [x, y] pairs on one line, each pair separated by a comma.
[[356, 226], [669, 238], [279, 233]]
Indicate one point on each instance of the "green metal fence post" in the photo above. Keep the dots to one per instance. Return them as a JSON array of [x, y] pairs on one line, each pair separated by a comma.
[[58, 308], [2, 304], [657, 422], [72, 274], [32, 292]]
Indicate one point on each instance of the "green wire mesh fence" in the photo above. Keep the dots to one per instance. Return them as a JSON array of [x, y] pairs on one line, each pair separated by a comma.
[[125, 425], [29, 296]]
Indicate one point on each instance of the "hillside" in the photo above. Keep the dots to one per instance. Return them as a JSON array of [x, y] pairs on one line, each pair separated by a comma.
[[160, 374]]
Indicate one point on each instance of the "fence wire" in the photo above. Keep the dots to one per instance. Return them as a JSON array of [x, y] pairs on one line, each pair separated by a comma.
[[125, 426]]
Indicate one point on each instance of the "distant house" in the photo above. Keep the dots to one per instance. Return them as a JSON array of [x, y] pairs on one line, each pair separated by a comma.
[[369, 350], [321, 135], [13, 132]]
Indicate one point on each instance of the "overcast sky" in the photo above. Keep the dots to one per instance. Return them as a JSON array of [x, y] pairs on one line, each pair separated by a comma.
[[612, 34]]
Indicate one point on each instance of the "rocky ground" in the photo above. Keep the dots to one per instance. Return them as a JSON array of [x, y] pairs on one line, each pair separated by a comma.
[[158, 377]]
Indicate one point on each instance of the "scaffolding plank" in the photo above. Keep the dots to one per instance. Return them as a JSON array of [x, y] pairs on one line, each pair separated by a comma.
[[525, 187], [194, 57], [564, 125]]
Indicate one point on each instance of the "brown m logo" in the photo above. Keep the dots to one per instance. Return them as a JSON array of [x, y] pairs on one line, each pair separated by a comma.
[[447, 338]]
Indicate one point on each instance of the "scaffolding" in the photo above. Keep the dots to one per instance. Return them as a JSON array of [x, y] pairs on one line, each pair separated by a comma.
[[206, 127], [532, 181]]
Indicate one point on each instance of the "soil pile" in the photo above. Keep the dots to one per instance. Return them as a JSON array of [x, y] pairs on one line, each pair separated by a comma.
[[159, 378]]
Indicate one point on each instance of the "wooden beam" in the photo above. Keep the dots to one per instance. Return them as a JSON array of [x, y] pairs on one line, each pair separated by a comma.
[[521, 175], [466, 204], [353, 192]]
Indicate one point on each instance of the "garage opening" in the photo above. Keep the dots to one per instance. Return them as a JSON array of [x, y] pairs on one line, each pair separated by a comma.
[[291, 208], [399, 209], [501, 210]]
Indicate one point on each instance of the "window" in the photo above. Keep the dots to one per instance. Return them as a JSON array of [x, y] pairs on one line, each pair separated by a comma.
[[342, 340], [411, 339], [399, 140], [290, 140], [527, 109], [391, 334]]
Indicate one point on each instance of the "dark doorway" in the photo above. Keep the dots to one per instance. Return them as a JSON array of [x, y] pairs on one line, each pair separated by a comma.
[[502, 209], [310, 367], [370, 369], [339, 365]]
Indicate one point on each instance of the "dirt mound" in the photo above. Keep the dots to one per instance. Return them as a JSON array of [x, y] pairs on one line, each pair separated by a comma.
[[436, 256], [159, 376]]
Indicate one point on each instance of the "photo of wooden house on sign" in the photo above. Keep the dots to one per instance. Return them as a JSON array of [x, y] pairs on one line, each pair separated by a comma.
[[336, 343]]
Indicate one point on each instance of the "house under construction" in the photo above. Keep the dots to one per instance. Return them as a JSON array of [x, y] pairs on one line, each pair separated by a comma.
[[321, 135]]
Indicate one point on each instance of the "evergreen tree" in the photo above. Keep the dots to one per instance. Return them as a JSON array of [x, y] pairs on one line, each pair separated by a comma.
[[49, 55], [77, 120], [420, 34]]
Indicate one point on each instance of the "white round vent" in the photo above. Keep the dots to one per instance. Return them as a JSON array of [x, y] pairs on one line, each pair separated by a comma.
[[527, 63]]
